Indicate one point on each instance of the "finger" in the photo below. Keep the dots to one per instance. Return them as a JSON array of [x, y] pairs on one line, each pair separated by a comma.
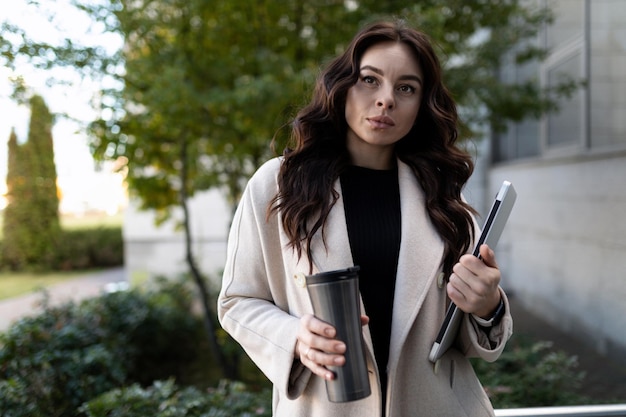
[[464, 286], [457, 290], [317, 361], [488, 256], [321, 338], [320, 349], [317, 326], [471, 264], [475, 283], [476, 273], [463, 278], [364, 320], [318, 369], [322, 358]]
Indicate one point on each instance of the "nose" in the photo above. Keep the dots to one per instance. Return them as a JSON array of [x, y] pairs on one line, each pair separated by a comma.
[[385, 100]]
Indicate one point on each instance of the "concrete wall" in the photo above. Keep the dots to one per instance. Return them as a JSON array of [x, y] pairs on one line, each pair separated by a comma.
[[151, 251], [563, 253]]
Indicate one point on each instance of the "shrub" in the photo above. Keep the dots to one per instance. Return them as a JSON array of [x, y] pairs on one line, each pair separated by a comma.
[[89, 248], [531, 375], [77, 249], [165, 399], [52, 363]]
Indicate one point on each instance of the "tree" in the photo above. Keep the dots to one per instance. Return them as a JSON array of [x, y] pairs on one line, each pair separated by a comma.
[[229, 75], [31, 223], [240, 69], [15, 224], [44, 206], [206, 85]]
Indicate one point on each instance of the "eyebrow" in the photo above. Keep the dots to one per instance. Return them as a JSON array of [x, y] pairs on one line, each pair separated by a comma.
[[402, 77]]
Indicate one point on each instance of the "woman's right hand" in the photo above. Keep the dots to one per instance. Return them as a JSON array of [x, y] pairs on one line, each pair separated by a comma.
[[317, 347]]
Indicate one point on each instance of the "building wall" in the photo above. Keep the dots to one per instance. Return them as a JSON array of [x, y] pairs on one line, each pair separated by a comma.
[[563, 253], [564, 250], [152, 251]]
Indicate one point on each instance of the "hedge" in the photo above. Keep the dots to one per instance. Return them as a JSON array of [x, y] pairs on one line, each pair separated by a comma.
[[52, 363], [144, 353], [76, 250]]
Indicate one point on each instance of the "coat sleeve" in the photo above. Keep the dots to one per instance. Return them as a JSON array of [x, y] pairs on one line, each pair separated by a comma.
[[474, 341], [487, 344], [252, 304]]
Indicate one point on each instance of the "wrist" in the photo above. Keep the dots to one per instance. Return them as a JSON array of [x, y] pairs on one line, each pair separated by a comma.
[[492, 319], [489, 307]]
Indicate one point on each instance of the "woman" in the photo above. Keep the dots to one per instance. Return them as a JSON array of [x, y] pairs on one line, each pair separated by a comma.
[[374, 179]]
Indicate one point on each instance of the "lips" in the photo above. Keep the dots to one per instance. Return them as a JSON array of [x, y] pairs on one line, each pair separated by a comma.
[[381, 122]]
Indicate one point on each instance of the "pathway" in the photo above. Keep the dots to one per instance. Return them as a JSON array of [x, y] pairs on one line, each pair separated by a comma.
[[77, 289]]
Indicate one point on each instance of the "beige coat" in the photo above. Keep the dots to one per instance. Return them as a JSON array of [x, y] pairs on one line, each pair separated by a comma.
[[264, 293]]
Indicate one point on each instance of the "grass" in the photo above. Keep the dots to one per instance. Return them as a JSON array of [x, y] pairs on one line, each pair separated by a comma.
[[91, 221], [13, 284]]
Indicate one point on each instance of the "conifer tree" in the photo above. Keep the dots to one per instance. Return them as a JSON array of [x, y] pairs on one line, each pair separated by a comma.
[[44, 203], [31, 224], [15, 237]]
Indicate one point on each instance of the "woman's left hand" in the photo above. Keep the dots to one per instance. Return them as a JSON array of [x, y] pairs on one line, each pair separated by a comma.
[[473, 285]]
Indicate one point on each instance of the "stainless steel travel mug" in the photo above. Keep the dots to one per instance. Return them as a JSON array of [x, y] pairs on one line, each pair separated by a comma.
[[335, 299]]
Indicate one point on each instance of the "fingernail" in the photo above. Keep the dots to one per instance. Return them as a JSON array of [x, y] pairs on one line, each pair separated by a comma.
[[329, 332], [338, 361], [340, 347]]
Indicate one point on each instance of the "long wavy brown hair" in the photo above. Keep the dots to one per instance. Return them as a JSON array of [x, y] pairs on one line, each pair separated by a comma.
[[317, 154]]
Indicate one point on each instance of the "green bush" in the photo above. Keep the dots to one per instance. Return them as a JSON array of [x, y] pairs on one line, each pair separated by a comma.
[[531, 374], [99, 354], [52, 363], [76, 249], [165, 399], [89, 248]]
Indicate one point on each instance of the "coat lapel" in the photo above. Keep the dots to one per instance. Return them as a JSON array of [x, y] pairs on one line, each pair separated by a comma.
[[337, 254], [420, 257]]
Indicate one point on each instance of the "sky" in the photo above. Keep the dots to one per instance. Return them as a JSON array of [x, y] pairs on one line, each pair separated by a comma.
[[82, 186]]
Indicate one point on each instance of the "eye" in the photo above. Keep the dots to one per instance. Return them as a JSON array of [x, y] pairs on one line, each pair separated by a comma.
[[406, 89], [368, 79]]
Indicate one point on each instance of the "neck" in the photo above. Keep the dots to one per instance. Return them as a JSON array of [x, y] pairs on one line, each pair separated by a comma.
[[381, 160]]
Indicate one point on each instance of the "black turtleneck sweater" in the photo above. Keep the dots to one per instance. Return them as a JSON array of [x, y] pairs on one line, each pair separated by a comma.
[[372, 207]]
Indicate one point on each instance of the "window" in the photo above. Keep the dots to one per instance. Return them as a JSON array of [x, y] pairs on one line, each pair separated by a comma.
[[607, 105], [587, 41], [565, 126]]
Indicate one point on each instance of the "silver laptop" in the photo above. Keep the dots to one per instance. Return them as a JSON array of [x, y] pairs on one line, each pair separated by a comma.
[[492, 229]]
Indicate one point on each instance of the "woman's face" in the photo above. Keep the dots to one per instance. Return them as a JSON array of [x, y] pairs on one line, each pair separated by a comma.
[[382, 106]]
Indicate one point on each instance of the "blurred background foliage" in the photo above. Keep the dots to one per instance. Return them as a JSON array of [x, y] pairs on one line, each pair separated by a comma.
[[32, 236], [52, 363], [31, 219], [143, 352], [200, 88]]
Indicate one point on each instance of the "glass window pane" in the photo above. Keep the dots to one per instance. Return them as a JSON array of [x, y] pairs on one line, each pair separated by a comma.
[[607, 72], [502, 146], [527, 138], [568, 22], [564, 126]]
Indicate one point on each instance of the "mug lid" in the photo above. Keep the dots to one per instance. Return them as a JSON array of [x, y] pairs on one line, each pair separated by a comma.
[[331, 276]]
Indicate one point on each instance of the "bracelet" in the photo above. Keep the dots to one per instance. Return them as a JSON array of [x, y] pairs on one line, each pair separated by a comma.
[[495, 317]]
